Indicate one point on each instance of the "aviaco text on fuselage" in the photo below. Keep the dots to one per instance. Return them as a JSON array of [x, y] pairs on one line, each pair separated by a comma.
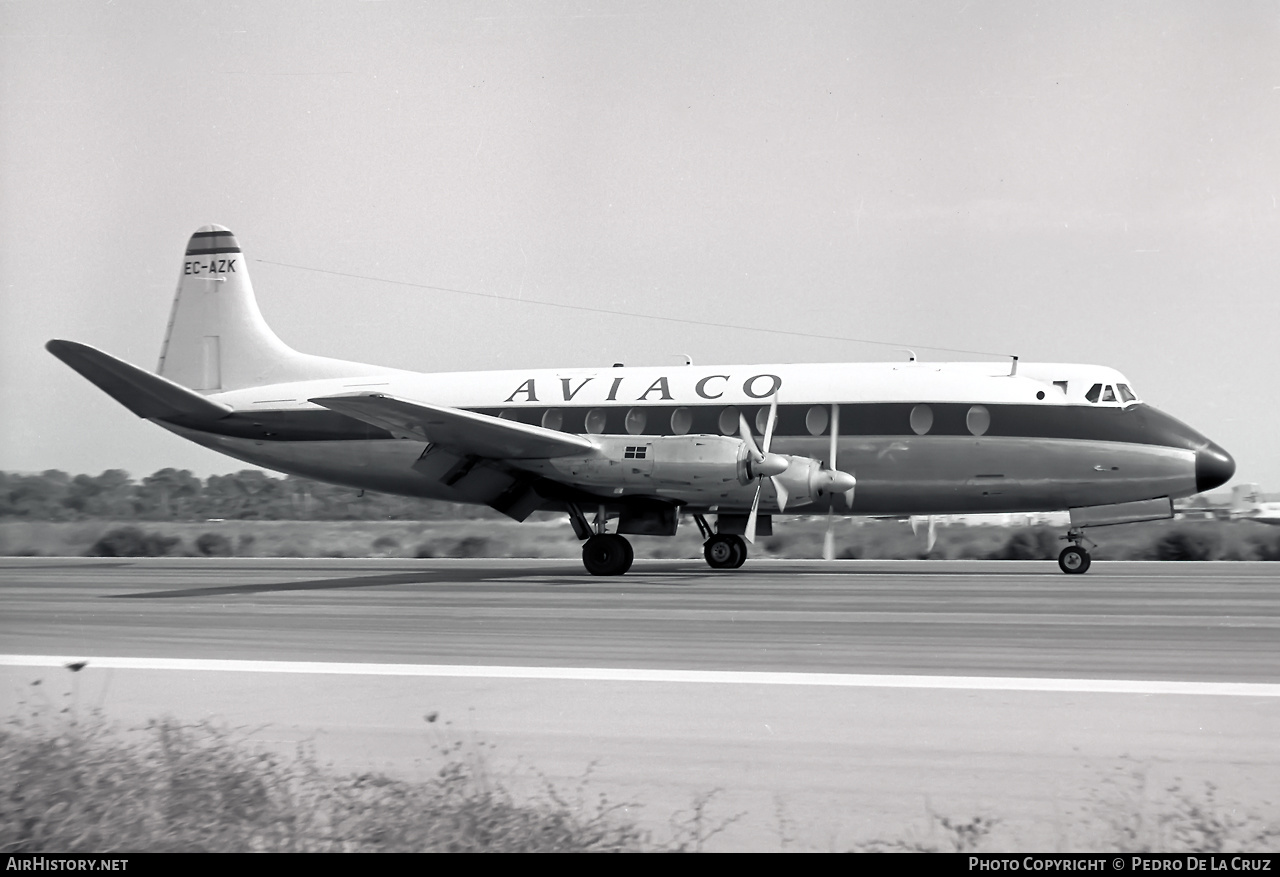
[[635, 448]]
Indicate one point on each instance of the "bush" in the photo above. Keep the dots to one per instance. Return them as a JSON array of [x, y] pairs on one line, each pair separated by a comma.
[[79, 787], [132, 542], [1038, 543], [386, 544], [213, 545], [471, 546], [1187, 545]]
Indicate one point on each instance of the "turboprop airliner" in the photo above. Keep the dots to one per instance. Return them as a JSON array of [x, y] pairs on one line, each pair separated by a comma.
[[638, 448]]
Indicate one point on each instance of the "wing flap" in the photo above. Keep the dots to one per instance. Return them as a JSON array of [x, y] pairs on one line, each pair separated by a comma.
[[458, 430], [143, 393]]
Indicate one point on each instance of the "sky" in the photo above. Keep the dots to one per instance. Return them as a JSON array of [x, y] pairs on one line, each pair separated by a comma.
[[1065, 181]]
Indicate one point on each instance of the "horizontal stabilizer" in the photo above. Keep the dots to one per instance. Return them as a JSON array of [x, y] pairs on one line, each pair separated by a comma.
[[143, 393], [462, 431]]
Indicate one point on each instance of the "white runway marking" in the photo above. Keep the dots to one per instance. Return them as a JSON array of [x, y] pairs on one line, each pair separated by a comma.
[[714, 677]]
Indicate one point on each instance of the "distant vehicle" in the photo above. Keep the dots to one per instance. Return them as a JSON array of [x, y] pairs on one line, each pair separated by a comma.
[[1246, 506], [640, 446]]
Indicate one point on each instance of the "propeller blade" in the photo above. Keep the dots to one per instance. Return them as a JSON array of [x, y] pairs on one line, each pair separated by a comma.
[[780, 489], [931, 534], [745, 432], [835, 436], [829, 538], [750, 534], [773, 419]]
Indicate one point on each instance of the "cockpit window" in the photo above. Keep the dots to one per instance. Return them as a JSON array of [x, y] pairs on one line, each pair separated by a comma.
[[1126, 395], [1094, 392], [1108, 395], [1061, 385]]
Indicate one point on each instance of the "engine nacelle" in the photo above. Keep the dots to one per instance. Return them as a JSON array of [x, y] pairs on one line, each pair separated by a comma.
[[696, 461], [806, 481]]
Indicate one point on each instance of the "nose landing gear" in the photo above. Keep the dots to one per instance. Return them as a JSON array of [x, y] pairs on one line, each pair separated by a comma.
[[1074, 559]]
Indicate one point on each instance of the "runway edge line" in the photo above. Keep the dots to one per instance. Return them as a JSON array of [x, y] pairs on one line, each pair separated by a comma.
[[705, 677]]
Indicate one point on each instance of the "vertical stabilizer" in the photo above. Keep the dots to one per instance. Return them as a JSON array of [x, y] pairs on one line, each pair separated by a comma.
[[217, 339], [1244, 498]]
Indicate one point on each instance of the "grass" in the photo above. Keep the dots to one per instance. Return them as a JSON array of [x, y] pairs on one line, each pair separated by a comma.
[[80, 786], [799, 537], [69, 786]]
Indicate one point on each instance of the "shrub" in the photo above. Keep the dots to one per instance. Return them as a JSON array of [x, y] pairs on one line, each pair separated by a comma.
[[1187, 545], [1038, 543], [213, 545], [471, 546], [79, 787], [133, 542], [386, 544]]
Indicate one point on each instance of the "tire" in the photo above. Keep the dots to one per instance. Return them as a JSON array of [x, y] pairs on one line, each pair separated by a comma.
[[607, 554], [725, 551], [1074, 560]]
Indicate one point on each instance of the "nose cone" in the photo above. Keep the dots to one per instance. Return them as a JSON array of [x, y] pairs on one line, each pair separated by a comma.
[[1214, 467]]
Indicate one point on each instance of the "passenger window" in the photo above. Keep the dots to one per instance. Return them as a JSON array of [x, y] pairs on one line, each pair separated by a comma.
[[1108, 395], [1094, 392], [1126, 395]]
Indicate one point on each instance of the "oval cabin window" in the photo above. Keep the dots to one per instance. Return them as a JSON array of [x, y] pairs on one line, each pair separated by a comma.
[[596, 420], [681, 421], [636, 418], [553, 419], [921, 419], [728, 421], [816, 420], [978, 420]]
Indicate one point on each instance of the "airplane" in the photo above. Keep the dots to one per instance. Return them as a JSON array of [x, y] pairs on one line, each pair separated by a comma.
[[642, 446], [1245, 506]]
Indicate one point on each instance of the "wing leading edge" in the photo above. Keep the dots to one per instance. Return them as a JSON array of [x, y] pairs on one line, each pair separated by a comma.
[[462, 431]]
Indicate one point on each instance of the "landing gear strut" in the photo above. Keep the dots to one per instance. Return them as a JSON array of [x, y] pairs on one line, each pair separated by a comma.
[[1074, 560]]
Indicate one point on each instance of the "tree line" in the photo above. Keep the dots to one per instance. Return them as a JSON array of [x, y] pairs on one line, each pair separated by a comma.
[[178, 495]]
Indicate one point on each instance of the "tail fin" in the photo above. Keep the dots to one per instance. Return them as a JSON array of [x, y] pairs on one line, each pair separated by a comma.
[[217, 339], [1244, 498]]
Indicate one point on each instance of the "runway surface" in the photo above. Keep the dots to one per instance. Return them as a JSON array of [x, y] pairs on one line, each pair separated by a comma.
[[1193, 621], [815, 766]]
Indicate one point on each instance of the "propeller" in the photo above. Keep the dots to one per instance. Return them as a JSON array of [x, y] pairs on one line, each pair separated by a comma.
[[762, 464], [837, 482]]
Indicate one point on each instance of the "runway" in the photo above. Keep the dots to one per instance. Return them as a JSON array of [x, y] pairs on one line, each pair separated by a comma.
[[1193, 621], [838, 763]]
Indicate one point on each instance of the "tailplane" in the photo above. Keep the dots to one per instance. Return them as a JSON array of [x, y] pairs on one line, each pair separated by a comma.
[[217, 339]]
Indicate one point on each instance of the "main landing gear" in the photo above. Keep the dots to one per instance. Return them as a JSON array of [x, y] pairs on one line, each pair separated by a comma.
[[722, 550], [1074, 559], [725, 551], [603, 554], [607, 554]]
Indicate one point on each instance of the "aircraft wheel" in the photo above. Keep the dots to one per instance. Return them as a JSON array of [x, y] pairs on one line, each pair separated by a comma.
[[725, 551], [1074, 560], [607, 554]]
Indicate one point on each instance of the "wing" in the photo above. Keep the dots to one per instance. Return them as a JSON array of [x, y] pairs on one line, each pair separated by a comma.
[[461, 431]]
